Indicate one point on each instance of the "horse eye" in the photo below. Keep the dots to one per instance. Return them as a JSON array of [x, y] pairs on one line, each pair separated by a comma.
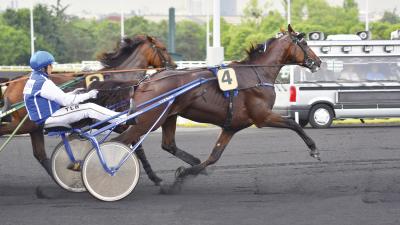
[[301, 36]]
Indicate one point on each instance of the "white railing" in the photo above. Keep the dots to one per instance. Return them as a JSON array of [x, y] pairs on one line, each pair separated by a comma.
[[15, 68], [190, 64], [58, 67]]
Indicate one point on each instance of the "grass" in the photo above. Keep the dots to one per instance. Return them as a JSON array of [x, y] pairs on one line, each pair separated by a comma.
[[367, 121], [193, 124]]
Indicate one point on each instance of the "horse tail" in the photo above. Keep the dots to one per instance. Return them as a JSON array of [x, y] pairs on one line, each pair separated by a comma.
[[6, 107]]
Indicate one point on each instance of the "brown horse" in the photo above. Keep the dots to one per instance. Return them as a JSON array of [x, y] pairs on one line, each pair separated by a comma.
[[142, 51], [207, 104]]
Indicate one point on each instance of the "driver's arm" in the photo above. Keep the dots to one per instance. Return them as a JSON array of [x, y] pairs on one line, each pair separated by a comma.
[[52, 92]]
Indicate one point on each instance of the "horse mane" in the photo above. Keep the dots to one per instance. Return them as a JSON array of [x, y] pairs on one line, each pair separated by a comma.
[[122, 51], [255, 50]]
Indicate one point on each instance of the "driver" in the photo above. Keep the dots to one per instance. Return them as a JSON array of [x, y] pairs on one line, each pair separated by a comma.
[[48, 105]]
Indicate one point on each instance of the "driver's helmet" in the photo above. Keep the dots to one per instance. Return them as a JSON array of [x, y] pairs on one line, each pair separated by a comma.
[[41, 59]]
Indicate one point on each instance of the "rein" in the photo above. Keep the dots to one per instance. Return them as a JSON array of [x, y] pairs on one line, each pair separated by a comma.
[[171, 75], [261, 65], [77, 74], [203, 68]]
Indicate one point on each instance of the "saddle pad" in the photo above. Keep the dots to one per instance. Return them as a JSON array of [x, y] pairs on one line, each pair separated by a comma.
[[216, 70]]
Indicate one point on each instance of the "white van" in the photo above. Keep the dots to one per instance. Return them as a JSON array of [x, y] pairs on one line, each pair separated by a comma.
[[358, 79]]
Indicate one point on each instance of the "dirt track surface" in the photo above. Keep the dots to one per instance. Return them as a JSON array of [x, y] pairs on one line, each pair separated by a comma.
[[265, 176]]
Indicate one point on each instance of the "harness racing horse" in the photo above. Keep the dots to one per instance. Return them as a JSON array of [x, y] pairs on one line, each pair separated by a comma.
[[142, 51], [207, 104]]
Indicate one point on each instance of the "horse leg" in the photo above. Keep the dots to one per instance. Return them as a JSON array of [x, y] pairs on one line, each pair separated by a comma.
[[146, 166], [276, 120], [182, 173], [37, 140], [143, 159], [169, 145], [39, 151], [6, 107], [7, 128]]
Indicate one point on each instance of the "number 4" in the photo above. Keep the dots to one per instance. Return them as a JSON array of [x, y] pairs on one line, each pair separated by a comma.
[[226, 77]]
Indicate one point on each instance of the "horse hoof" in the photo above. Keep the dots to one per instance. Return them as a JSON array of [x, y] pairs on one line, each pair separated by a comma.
[[170, 190], [41, 194], [165, 190], [204, 172], [180, 171], [156, 180], [46, 164], [315, 155]]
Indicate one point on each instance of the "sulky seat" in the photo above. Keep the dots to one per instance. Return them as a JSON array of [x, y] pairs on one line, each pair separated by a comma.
[[58, 128]]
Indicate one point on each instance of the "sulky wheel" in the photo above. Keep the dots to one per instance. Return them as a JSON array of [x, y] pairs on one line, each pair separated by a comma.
[[66, 173], [108, 187]]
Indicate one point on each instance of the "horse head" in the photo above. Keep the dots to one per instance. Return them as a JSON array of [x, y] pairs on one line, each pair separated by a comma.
[[289, 47], [140, 51], [156, 53], [299, 52]]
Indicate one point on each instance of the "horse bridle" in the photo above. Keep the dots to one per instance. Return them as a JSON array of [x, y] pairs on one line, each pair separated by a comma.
[[164, 61], [308, 61]]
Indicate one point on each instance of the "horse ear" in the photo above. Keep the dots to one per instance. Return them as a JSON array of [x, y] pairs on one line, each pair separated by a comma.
[[150, 38], [290, 29], [126, 41]]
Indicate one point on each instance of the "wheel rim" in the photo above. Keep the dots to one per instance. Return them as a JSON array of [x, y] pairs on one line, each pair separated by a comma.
[[102, 185], [322, 116], [66, 178]]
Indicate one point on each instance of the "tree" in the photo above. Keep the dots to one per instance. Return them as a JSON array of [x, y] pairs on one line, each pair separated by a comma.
[[382, 30], [139, 25], [73, 39], [191, 40], [47, 28], [107, 33], [14, 46], [59, 10], [18, 19], [350, 4], [237, 44], [390, 17], [252, 11], [79, 40]]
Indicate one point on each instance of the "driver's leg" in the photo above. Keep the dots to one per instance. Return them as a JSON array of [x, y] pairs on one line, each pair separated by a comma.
[[74, 113]]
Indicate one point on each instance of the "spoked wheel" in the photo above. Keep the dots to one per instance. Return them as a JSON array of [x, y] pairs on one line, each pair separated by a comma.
[[108, 187], [66, 173]]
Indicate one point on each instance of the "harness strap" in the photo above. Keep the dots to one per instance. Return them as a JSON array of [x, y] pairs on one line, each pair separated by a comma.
[[258, 75], [265, 85], [229, 95], [229, 116]]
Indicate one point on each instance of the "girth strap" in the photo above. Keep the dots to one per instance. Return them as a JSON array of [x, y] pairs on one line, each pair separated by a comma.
[[229, 116]]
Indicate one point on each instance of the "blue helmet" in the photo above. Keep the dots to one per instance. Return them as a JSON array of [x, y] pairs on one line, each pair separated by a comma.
[[40, 59]]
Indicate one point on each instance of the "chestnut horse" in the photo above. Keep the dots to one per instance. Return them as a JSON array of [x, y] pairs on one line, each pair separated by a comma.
[[207, 104], [142, 51]]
